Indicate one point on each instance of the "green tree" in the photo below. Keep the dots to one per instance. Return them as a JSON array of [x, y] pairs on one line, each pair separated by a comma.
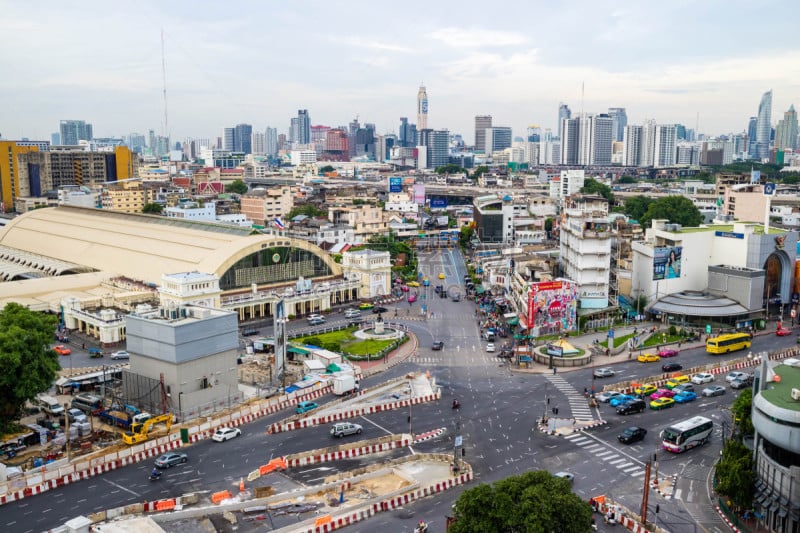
[[480, 171], [236, 187], [791, 179], [466, 235], [450, 169], [548, 225], [531, 502], [627, 179], [741, 408], [676, 209], [735, 476], [308, 210], [636, 206], [152, 208], [640, 303], [326, 168], [592, 186], [29, 365]]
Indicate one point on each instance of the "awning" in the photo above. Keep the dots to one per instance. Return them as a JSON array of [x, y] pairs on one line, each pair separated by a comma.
[[479, 289], [513, 321], [297, 350]]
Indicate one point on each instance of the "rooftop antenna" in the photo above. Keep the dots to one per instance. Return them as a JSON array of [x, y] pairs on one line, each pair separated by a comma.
[[164, 83]]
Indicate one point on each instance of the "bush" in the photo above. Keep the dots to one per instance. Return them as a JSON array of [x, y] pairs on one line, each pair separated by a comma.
[[673, 331]]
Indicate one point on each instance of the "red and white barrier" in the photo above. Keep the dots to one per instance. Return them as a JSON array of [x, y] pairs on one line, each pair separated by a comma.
[[313, 458]]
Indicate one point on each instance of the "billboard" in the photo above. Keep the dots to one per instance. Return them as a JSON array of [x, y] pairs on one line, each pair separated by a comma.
[[395, 184], [439, 202], [419, 193], [552, 306], [667, 262]]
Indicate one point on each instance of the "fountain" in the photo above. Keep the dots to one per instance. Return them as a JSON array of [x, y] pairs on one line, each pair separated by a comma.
[[379, 331]]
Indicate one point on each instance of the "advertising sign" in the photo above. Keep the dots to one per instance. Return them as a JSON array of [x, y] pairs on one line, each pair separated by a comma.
[[438, 202], [395, 184], [552, 306], [555, 350], [419, 193], [667, 262]]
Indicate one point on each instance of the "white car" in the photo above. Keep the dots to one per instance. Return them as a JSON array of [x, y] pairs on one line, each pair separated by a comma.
[[608, 395], [702, 377], [490, 347], [314, 316], [120, 354], [223, 434], [733, 376]]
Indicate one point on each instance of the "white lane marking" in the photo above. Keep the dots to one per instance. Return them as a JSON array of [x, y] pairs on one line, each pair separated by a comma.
[[126, 489]]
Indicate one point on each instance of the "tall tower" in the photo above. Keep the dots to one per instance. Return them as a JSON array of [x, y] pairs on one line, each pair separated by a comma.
[[303, 126], [764, 125], [563, 113], [620, 119], [482, 122], [422, 109], [786, 130]]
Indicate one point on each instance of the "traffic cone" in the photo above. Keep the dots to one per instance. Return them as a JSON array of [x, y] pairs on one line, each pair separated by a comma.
[[241, 484]]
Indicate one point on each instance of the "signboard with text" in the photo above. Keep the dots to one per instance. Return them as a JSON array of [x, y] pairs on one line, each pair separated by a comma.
[[395, 184], [667, 262]]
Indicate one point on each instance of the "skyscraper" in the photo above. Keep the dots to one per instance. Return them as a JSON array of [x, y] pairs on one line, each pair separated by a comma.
[[73, 131], [481, 123], [764, 125], [632, 146], [497, 139], [228, 138], [271, 141], [563, 113], [408, 134], [619, 120], [303, 126], [437, 143], [569, 129], [258, 142], [752, 126], [786, 131], [664, 151], [242, 138], [422, 109]]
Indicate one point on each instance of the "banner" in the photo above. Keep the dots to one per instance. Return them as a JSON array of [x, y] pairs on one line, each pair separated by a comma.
[[667, 262]]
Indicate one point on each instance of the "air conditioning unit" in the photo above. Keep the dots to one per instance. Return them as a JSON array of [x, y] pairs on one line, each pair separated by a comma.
[[795, 394]]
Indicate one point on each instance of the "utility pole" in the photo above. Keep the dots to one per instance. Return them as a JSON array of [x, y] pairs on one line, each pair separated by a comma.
[[646, 492], [66, 423]]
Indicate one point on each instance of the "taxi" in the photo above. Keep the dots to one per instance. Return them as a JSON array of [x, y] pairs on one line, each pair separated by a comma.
[[412, 284], [645, 389], [674, 381], [661, 403], [366, 305], [62, 350], [648, 358], [441, 275]]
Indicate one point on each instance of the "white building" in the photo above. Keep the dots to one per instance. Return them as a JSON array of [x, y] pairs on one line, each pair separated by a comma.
[[193, 211], [372, 268], [303, 157], [585, 232], [570, 182]]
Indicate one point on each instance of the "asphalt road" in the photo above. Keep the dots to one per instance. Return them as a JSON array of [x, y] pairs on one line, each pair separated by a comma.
[[498, 414]]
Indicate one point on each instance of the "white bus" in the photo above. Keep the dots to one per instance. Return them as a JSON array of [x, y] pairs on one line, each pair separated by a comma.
[[687, 434]]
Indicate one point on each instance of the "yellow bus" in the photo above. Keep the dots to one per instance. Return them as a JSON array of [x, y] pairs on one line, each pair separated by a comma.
[[728, 343]]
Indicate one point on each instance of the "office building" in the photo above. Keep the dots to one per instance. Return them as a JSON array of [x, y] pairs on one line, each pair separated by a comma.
[[73, 131], [408, 134], [664, 142], [303, 127], [228, 138], [497, 139], [242, 138], [437, 147], [564, 113], [619, 119], [271, 141], [318, 133], [422, 109], [482, 123], [632, 146], [586, 140], [764, 126], [568, 183], [55, 139], [786, 131], [257, 143], [752, 127]]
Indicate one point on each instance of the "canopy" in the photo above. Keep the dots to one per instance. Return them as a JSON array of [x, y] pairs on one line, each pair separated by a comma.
[[479, 289]]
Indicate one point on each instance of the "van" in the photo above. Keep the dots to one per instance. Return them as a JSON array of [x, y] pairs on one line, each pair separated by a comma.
[[50, 405], [88, 403], [489, 335], [352, 313], [142, 417], [316, 321]]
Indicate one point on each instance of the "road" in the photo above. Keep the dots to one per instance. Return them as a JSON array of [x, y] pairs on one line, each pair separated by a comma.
[[499, 409]]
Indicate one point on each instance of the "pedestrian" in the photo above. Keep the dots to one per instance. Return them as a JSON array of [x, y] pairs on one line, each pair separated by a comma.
[[608, 352], [555, 371]]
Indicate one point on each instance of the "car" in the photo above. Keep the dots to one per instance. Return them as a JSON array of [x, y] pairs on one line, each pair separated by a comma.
[[438, 289], [671, 367], [490, 347], [645, 389], [702, 377], [95, 353], [342, 429], [62, 350], [222, 434], [734, 375], [619, 400], [661, 403], [438, 345], [674, 381], [355, 321], [685, 396], [631, 435], [607, 396], [668, 352], [170, 459], [366, 305], [352, 313], [455, 297], [569, 476], [741, 383], [76, 416], [506, 354], [379, 309], [412, 298], [246, 332], [404, 288], [632, 406], [120, 354], [412, 284], [441, 275], [783, 332], [304, 407], [714, 390], [314, 316], [684, 387], [662, 393], [648, 358], [316, 321], [603, 373]]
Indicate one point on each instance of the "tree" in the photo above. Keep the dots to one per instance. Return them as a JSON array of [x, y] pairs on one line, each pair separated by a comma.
[[627, 179], [735, 475], [236, 187], [533, 501], [29, 365], [450, 169], [326, 169], [676, 209], [308, 210], [480, 171], [465, 236], [636, 206], [592, 186], [152, 208], [741, 408]]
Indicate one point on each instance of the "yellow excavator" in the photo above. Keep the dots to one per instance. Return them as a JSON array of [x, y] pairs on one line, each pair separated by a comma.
[[139, 431]]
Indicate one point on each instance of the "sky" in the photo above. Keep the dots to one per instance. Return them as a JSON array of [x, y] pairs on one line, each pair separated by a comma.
[[258, 62]]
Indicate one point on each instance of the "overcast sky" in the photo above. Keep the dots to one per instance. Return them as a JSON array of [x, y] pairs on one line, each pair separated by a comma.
[[258, 62]]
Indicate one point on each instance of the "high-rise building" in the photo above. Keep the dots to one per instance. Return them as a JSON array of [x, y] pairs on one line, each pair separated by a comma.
[[786, 131], [408, 134], [73, 131], [497, 139], [602, 127], [586, 140], [752, 127], [482, 122], [569, 130], [228, 138], [632, 146], [563, 113], [271, 141], [258, 143], [764, 125], [242, 138], [422, 109], [318, 133], [294, 130], [55, 139], [681, 131], [137, 142], [619, 119], [665, 140], [437, 144], [303, 127]]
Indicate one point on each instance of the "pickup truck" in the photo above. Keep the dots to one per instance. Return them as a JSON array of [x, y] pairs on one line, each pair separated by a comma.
[[121, 419], [95, 353]]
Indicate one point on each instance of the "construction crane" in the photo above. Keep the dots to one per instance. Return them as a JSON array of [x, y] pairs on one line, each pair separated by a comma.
[[139, 431]]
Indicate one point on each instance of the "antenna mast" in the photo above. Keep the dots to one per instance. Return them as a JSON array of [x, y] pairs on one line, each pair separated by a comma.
[[164, 83]]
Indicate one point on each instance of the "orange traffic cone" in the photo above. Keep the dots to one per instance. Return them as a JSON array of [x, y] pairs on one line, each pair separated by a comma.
[[241, 484]]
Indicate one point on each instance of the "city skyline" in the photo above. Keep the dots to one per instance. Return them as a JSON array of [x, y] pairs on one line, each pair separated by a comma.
[[257, 71]]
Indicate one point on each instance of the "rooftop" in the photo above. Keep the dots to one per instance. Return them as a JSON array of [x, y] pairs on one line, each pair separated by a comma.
[[758, 229], [779, 393]]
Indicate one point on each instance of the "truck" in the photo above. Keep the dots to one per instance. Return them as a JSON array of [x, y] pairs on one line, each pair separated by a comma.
[[139, 431], [115, 417], [50, 405], [345, 384]]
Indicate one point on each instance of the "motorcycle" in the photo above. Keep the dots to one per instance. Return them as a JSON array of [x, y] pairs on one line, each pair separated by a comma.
[[422, 527], [456, 404], [155, 476]]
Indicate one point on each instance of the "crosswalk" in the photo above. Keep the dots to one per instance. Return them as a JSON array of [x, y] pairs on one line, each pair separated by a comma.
[[612, 457], [463, 359], [578, 405]]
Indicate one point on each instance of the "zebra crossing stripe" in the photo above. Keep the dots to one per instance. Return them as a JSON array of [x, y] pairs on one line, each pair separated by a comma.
[[614, 456], [618, 461], [601, 455], [628, 470]]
